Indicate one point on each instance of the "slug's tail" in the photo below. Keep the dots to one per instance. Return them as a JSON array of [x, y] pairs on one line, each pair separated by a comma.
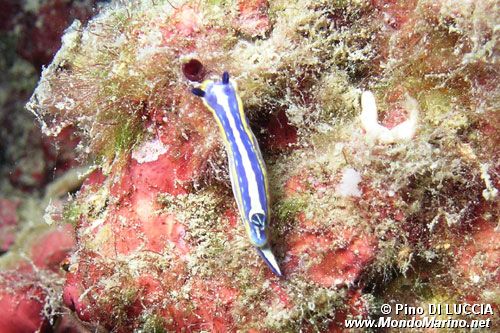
[[270, 259]]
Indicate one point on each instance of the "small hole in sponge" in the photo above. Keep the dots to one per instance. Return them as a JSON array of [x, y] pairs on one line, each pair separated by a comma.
[[193, 70]]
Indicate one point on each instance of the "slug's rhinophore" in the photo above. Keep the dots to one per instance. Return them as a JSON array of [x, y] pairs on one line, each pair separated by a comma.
[[247, 169]]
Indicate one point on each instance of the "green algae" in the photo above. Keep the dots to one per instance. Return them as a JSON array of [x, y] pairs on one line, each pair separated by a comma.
[[289, 207], [71, 212], [152, 323], [202, 215]]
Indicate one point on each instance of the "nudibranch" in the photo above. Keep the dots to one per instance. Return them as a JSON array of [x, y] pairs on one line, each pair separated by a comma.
[[247, 169]]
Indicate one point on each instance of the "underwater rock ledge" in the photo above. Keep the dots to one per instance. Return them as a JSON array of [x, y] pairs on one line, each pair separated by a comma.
[[357, 219]]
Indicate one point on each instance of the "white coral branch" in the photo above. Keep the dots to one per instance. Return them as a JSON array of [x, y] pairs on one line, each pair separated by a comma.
[[377, 132]]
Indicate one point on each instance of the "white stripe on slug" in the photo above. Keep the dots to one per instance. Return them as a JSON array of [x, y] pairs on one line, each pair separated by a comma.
[[223, 101]]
